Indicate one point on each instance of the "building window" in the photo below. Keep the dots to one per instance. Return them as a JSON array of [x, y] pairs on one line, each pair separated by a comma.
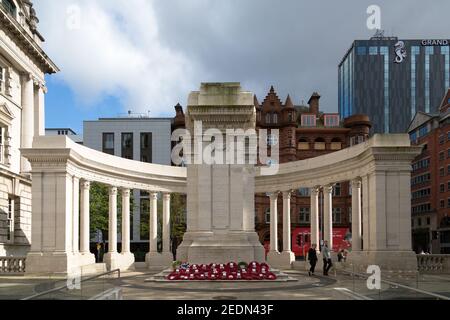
[[108, 143], [337, 190], [442, 204], [268, 118], [290, 116], [331, 120], [337, 218], [2, 79], [357, 140], [385, 52], [308, 120], [319, 144], [10, 221], [304, 192], [9, 6], [441, 156], [441, 172], [419, 221], [445, 51], [413, 136], [272, 139], [428, 221], [448, 169], [448, 203], [267, 216], [442, 188], [275, 118], [415, 50], [304, 215], [441, 139], [2, 144], [127, 145], [373, 51], [146, 147], [429, 50], [361, 51]]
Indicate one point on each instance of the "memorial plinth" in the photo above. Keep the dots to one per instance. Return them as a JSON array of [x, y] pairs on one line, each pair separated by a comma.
[[220, 197]]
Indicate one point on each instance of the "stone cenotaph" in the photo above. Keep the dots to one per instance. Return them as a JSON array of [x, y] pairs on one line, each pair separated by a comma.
[[220, 197]]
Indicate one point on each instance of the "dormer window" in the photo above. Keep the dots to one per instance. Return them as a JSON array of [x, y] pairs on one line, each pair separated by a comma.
[[331, 120], [308, 120], [9, 6], [275, 118]]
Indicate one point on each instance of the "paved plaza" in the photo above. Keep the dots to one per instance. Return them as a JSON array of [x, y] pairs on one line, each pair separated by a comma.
[[135, 287]]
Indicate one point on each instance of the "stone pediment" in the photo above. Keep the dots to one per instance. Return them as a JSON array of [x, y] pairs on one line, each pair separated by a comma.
[[6, 116]]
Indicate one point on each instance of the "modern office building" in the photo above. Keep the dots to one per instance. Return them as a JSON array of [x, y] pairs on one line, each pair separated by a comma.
[[64, 132], [136, 137], [430, 180], [391, 79]]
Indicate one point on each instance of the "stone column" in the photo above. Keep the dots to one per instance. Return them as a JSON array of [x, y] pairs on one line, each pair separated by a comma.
[[111, 258], [39, 108], [315, 237], [126, 257], [154, 259], [76, 214], [274, 222], [27, 117], [112, 227], [167, 254], [153, 222], [328, 215], [125, 221], [287, 256], [86, 255], [356, 214]]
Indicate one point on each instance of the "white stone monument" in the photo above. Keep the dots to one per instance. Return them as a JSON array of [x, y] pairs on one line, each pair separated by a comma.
[[220, 197]]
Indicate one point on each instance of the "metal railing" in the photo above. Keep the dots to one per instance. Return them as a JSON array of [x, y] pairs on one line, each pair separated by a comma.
[[66, 286], [12, 264]]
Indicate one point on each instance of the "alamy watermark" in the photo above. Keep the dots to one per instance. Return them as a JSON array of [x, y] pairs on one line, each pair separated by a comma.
[[227, 147]]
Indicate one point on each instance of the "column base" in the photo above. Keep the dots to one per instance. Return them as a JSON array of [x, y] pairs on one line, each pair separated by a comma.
[[122, 261], [281, 260], [57, 263], [388, 261], [156, 260]]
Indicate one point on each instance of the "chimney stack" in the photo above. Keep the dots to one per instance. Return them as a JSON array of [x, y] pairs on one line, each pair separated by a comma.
[[314, 103]]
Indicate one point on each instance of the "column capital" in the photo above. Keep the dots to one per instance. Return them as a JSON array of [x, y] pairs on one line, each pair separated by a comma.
[[356, 183], [287, 194], [166, 195], [315, 190], [85, 184], [26, 76], [112, 191], [328, 188], [125, 192], [273, 195], [153, 195]]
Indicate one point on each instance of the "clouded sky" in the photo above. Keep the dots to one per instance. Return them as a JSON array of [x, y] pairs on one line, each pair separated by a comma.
[[142, 55]]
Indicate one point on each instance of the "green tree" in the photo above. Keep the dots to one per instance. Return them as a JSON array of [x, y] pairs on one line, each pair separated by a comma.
[[177, 219]]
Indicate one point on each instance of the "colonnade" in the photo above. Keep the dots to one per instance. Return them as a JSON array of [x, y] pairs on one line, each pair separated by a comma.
[[286, 257]]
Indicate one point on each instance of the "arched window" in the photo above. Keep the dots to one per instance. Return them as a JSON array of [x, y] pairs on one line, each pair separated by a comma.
[[303, 144], [336, 144], [319, 144], [268, 118], [9, 6]]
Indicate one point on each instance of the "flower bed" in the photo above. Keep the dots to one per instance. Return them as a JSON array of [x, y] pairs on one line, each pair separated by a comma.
[[230, 272]]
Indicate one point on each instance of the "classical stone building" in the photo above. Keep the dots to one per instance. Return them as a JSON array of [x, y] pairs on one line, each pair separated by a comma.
[[306, 132], [23, 65], [430, 181]]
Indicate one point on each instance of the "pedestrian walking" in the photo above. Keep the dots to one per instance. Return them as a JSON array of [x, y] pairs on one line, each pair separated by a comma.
[[327, 264], [312, 258]]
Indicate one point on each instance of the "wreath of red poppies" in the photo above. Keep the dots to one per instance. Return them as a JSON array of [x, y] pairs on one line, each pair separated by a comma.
[[215, 271]]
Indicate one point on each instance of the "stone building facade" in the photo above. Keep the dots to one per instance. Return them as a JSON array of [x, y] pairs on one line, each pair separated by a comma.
[[23, 65]]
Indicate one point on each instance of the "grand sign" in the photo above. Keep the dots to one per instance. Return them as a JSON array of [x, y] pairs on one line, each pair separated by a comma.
[[435, 42]]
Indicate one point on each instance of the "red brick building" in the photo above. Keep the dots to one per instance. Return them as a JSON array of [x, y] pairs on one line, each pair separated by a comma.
[[430, 181], [306, 132]]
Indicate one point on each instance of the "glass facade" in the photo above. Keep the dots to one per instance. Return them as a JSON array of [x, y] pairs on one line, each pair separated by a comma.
[[385, 51], [415, 50], [428, 52], [446, 52]]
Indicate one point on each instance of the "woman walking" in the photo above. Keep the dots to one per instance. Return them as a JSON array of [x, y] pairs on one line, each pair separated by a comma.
[[312, 257]]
